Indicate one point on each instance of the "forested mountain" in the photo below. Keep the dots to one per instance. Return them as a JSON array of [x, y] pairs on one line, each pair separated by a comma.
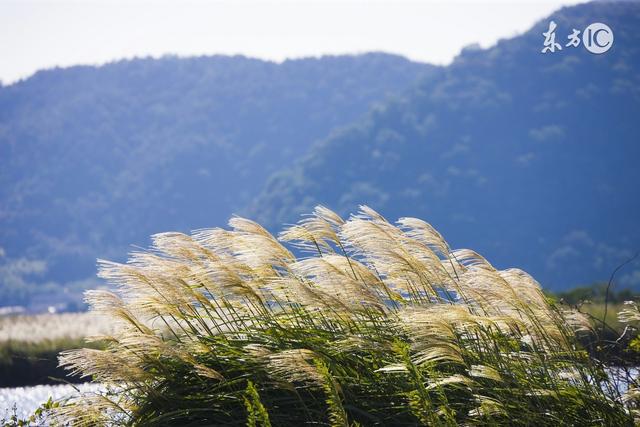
[[532, 159], [93, 159], [529, 158]]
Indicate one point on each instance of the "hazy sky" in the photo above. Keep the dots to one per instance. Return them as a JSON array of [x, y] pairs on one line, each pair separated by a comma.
[[45, 33]]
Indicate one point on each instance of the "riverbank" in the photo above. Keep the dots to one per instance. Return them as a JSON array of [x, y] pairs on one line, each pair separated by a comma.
[[29, 346]]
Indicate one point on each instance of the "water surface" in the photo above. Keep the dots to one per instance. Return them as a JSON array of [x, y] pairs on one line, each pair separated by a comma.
[[26, 400]]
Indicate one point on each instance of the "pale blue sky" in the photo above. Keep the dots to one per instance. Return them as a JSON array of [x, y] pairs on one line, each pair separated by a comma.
[[36, 34]]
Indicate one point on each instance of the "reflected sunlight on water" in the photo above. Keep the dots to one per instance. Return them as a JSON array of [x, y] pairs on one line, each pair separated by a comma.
[[28, 399]]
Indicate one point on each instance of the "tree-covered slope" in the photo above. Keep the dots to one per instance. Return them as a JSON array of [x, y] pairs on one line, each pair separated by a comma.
[[93, 159], [531, 158]]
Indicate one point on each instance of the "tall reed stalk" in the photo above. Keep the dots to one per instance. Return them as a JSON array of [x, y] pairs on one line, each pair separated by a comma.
[[376, 324]]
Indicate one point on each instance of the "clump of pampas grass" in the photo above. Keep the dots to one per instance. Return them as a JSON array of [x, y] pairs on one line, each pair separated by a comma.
[[374, 324]]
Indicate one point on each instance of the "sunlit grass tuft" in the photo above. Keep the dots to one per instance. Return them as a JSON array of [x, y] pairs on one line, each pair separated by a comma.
[[378, 324]]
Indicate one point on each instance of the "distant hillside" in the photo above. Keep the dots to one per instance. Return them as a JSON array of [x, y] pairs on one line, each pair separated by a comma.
[[530, 158], [94, 159]]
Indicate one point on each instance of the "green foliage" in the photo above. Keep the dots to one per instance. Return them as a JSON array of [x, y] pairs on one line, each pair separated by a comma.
[[257, 415], [418, 399], [337, 414], [613, 340], [37, 419], [595, 293]]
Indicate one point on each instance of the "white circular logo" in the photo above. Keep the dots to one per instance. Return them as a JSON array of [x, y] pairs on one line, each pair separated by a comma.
[[597, 38]]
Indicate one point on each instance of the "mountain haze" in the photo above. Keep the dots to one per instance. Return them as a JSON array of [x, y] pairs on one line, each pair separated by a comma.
[[93, 159], [531, 159]]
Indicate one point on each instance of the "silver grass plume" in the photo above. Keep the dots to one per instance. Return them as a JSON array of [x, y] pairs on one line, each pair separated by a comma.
[[390, 304]]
